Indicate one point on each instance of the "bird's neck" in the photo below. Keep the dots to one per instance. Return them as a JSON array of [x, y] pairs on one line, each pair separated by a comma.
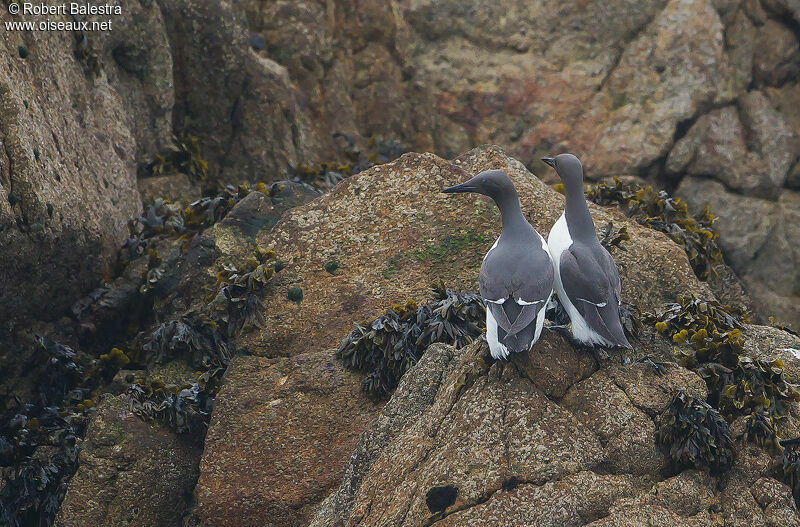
[[579, 220], [511, 213]]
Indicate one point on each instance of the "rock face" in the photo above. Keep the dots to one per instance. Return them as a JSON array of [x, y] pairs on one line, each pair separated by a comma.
[[81, 114], [760, 238], [486, 446], [67, 174], [130, 473], [279, 440], [660, 89], [393, 233]]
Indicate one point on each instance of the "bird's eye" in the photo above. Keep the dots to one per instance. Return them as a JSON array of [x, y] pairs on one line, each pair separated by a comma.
[[483, 181]]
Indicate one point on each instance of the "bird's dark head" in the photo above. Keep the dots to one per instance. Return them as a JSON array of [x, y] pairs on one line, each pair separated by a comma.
[[569, 169], [493, 183]]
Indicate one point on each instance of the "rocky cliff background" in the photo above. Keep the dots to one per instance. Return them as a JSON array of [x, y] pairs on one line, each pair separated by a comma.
[[117, 233]]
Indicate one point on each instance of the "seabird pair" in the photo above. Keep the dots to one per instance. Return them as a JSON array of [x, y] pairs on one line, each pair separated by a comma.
[[520, 271]]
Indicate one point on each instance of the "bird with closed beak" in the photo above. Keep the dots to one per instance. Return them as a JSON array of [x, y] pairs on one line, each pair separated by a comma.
[[586, 278], [516, 276]]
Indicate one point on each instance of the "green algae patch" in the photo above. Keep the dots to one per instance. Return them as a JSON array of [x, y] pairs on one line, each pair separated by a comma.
[[450, 246]]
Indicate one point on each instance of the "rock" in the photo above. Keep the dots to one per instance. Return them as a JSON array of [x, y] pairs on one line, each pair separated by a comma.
[[67, 175], [280, 436], [553, 368], [618, 83], [392, 221], [492, 449], [768, 343], [130, 472], [137, 59], [779, 54], [253, 130], [175, 187], [748, 149], [651, 392], [571, 501], [626, 432], [190, 267], [759, 239], [419, 389]]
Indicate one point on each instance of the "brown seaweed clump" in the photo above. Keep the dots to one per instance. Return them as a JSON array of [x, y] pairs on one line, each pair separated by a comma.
[[182, 156], [737, 384], [694, 435], [659, 211], [391, 344], [377, 151]]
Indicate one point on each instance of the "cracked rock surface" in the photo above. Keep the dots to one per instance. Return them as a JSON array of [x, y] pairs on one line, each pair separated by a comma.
[[511, 455]]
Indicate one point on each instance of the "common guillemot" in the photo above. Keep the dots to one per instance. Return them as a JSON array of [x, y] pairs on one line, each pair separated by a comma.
[[516, 276], [586, 277]]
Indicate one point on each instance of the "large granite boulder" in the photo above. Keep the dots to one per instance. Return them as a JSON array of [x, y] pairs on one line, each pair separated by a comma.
[[392, 233], [285, 426], [486, 446], [279, 440]]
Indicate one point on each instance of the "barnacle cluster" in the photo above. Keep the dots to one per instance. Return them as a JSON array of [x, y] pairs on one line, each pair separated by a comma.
[[389, 345], [693, 434], [379, 150], [659, 211], [177, 219], [193, 336]]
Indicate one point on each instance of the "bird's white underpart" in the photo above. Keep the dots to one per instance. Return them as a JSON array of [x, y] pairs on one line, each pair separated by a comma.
[[559, 241], [496, 348]]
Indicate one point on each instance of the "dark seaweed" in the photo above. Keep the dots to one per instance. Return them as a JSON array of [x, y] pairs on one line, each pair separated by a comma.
[[737, 384], [661, 212], [694, 434], [390, 344]]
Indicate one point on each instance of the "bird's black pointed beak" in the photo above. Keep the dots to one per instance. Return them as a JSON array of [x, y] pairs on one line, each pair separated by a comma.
[[458, 189], [550, 161]]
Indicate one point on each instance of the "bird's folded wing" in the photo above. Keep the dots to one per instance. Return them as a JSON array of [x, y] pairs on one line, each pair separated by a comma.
[[592, 292], [525, 317], [610, 268], [583, 279]]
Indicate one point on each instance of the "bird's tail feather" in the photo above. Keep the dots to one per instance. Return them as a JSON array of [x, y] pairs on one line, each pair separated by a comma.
[[605, 321]]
